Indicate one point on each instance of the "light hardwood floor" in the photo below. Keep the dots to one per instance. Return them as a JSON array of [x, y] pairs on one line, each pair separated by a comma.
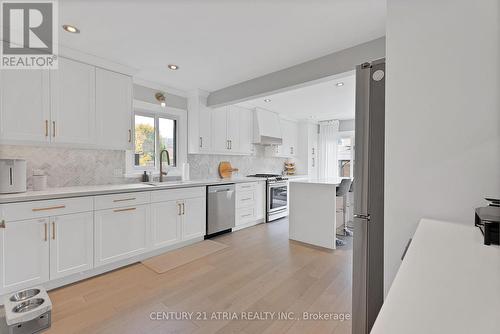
[[260, 271]]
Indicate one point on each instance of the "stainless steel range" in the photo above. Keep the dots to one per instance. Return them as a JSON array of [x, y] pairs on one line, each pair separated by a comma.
[[276, 197]]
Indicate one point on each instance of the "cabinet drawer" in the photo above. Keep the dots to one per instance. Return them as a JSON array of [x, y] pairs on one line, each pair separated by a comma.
[[246, 186], [121, 200], [245, 198], [39, 209], [176, 194], [245, 215]]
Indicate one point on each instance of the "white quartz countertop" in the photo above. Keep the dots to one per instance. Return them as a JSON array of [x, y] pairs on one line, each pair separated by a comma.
[[332, 181], [449, 282], [64, 192]]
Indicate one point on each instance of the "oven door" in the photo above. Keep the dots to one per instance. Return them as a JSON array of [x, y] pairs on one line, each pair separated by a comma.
[[278, 196]]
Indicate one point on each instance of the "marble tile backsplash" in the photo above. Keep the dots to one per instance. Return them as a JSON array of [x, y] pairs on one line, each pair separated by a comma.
[[204, 166], [67, 167]]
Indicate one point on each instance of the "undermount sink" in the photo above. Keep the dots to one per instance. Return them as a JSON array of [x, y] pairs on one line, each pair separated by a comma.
[[166, 180]]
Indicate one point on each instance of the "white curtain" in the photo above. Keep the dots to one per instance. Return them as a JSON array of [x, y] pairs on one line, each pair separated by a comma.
[[327, 149]]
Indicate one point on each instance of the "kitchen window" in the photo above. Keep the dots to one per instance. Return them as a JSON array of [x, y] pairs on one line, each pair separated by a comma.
[[154, 133]]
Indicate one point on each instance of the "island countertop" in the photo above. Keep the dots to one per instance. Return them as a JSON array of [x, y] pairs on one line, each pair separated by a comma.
[[332, 181], [449, 282]]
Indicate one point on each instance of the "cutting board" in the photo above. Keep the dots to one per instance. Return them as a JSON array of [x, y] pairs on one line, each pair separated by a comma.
[[226, 170]]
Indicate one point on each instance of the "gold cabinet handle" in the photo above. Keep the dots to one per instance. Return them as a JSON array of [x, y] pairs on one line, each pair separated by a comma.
[[179, 212], [183, 208], [45, 231], [53, 128], [127, 209], [129, 136], [53, 231], [46, 128], [2, 223], [48, 208], [124, 199]]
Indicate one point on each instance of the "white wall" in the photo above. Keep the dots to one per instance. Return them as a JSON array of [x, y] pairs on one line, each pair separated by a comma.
[[442, 115]]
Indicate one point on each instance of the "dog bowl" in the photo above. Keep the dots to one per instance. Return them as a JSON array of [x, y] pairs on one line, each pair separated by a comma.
[[23, 295], [28, 305]]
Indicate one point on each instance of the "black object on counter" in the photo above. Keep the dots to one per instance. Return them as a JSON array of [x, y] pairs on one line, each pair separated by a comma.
[[488, 220], [145, 177]]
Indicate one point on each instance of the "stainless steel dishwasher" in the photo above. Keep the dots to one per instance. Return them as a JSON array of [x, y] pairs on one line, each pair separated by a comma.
[[221, 215]]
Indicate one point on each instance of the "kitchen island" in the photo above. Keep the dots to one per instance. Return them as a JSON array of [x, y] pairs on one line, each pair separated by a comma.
[[312, 213]]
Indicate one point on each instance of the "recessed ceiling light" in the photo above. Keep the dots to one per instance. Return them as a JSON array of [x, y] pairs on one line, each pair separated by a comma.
[[339, 84], [267, 100], [173, 67], [71, 29]]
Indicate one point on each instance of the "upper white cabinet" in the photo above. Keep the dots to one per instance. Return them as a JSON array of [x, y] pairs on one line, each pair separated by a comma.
[[73, 112], [232, 130], [24, 105], [113, 109], [76, 104], [290, 136], [224, 130]]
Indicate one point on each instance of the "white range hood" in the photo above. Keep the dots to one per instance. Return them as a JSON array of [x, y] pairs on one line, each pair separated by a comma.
[[267, 128]]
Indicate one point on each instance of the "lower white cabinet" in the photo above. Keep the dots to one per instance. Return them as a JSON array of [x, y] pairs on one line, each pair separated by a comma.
[[120, 233], [193, 218], [250, 203], [165, 223], [71, 244], [24, 254], [178, 219]]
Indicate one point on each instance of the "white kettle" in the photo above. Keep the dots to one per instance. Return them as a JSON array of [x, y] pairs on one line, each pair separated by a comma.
[[12, 176]]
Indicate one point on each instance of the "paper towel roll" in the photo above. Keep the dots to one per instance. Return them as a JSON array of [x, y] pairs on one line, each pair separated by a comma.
[[185, 172]]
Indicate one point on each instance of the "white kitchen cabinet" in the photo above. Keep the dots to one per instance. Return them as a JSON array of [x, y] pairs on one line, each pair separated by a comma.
[[24, 254], [24, 105], [205, 130], [73, 112], [289, 146], [193, 218], [234, 128], [165, 223], [220, 141], [121, 233], [260, 200], [113, 109], [71, 244], [246, 131]]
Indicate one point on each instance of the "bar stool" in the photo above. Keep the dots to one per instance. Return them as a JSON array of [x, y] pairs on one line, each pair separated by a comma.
[[341, 194]]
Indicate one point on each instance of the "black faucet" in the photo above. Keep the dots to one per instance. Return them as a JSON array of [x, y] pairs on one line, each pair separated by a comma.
[[161, 164]]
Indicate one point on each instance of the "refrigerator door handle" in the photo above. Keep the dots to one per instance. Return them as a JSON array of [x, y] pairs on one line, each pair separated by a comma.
[[366, 217]]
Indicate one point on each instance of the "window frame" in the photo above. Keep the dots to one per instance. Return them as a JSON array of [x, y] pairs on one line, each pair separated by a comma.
[[157, 116]]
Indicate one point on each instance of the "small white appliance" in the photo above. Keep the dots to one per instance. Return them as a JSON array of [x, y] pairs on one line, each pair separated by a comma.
[[12, 176]]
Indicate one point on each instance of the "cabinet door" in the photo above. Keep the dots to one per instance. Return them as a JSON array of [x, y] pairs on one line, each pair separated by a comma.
[[260, 200], [120, 233], [219, 127], [71, 244], [234, 128], [285, 148], [24, 105], [113, 109], [165, 223], [246, 131], [193, 218], [24, 254], [73, 103], [205, 119]]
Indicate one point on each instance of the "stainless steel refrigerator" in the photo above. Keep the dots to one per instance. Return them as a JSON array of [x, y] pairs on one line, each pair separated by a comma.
[[368, 244]]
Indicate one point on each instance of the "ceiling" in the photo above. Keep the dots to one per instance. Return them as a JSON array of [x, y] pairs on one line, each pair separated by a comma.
[[217, 43], [319, 102]]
